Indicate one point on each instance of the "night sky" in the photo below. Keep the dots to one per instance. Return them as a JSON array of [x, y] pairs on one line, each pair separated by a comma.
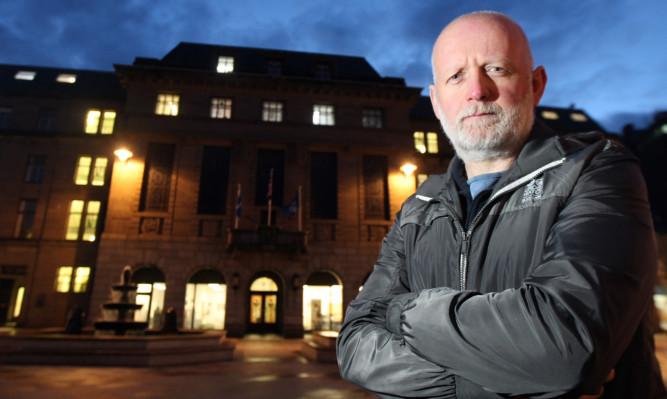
[[607, 57]]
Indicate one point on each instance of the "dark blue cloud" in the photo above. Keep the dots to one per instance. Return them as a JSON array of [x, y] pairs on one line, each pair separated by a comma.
[[605, 57]]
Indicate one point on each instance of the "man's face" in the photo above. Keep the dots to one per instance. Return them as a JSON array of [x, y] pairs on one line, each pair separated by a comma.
[[483, 91]]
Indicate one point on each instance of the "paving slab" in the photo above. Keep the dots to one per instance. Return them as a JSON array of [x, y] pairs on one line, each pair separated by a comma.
[[263, 367]]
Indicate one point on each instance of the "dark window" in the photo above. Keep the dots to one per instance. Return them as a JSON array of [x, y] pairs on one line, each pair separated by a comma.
[[25, 219], [214, 181], [35, 171], [270, 176], [324, 185], [376, 190], [157, 177], [47, 121], [323, 71], [274, 67], [373, 118], [5, 117]]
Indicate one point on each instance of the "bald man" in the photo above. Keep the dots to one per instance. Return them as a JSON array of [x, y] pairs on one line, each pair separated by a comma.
[[527, 269]]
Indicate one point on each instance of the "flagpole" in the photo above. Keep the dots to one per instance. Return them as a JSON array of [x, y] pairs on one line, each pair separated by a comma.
[[238, 197], [270, 197], [298, 201]]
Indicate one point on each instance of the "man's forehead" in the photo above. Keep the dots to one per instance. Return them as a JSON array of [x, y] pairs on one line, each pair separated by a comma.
[[481, 39]]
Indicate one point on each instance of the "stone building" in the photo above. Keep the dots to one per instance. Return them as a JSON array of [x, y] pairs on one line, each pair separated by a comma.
[[55, 157], [253, 193]]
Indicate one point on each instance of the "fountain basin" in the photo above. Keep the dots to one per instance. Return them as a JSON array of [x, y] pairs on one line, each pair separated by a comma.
[[49, 348]]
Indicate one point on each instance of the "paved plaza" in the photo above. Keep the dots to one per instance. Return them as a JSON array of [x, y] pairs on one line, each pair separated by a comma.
[[262, 368]]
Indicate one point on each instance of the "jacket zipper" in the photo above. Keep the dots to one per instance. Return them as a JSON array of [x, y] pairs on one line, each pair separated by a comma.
[[466, 235]]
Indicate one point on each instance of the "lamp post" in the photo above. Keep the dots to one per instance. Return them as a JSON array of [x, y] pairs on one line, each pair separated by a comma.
[[123, 154]]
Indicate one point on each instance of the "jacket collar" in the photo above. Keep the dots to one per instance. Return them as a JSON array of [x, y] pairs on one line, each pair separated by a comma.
[[542, 147]]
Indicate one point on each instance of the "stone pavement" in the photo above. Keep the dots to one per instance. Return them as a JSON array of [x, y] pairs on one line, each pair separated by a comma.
[[262, 368]]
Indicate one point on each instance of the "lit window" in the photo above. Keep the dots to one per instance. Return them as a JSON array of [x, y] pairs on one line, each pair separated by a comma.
[[432, 142], [108, 122], [372, 118], [64, 278], [272, 111], [82, 170], [85, 166], [225, 64], [323, 115], [663, 128], [99, 171], [421, 177], [549, 115], [578, 117], [92, 121], [89, 212], [264, 284], [25, 75], [221, 108], [167, 104], [20, 293], [73, 279], [426, 143], [66, 78], [81, 276], [420, 143], [90, 226]]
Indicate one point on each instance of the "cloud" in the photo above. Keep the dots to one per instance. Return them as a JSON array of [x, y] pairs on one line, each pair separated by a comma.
[[603, 56]]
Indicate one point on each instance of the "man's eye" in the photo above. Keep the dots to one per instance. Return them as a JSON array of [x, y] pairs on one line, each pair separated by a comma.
[[455, 77], [495, 69]]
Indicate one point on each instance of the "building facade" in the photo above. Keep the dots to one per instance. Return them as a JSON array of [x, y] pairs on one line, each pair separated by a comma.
[[253, 196]]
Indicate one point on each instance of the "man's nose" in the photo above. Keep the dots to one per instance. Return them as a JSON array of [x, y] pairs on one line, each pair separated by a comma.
[[480, 87]]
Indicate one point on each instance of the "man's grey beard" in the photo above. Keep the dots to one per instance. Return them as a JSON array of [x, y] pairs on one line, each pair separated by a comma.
[[499, 137]]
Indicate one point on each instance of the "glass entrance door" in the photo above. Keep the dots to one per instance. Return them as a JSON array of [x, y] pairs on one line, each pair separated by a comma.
[[264, 306]]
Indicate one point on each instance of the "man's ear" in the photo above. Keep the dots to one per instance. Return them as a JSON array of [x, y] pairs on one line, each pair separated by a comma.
[[434, 101], [539, 82]]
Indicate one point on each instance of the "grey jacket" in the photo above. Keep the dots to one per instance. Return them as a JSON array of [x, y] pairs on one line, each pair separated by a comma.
[[547, 291]]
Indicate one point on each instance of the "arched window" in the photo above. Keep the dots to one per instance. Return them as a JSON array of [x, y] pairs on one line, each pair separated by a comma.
[[322, 302], [205, 301], [150, 294]]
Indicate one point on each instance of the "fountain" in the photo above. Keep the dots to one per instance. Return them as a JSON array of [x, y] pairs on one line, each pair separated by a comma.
[[119, 314], [118, 341]]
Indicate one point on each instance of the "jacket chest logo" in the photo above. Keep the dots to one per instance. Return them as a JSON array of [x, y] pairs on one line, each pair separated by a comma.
[[533, 192]]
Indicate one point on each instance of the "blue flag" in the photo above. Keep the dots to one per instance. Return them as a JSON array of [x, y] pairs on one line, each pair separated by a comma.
[[239, 204], [293, 207]]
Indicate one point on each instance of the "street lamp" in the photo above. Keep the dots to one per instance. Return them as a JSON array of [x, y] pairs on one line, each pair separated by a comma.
[[123, 154], [408, 169]]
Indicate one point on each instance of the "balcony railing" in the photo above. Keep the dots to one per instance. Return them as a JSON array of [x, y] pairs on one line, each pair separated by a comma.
[[267, 238]]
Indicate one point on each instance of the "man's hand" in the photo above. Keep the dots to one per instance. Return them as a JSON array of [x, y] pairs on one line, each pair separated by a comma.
[[610, 377]]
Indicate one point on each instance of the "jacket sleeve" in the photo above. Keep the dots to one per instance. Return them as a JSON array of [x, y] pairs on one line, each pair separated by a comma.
[[565, 328], [372, 358]]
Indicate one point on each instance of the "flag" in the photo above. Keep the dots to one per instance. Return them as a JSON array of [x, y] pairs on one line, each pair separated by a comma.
[[269, 191], [293, 207]]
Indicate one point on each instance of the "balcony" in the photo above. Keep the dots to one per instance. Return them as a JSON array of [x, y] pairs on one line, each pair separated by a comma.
[[267, 238]]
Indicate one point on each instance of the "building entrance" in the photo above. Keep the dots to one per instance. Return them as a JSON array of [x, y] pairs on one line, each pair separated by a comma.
[[264, 307], [6, 288]]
